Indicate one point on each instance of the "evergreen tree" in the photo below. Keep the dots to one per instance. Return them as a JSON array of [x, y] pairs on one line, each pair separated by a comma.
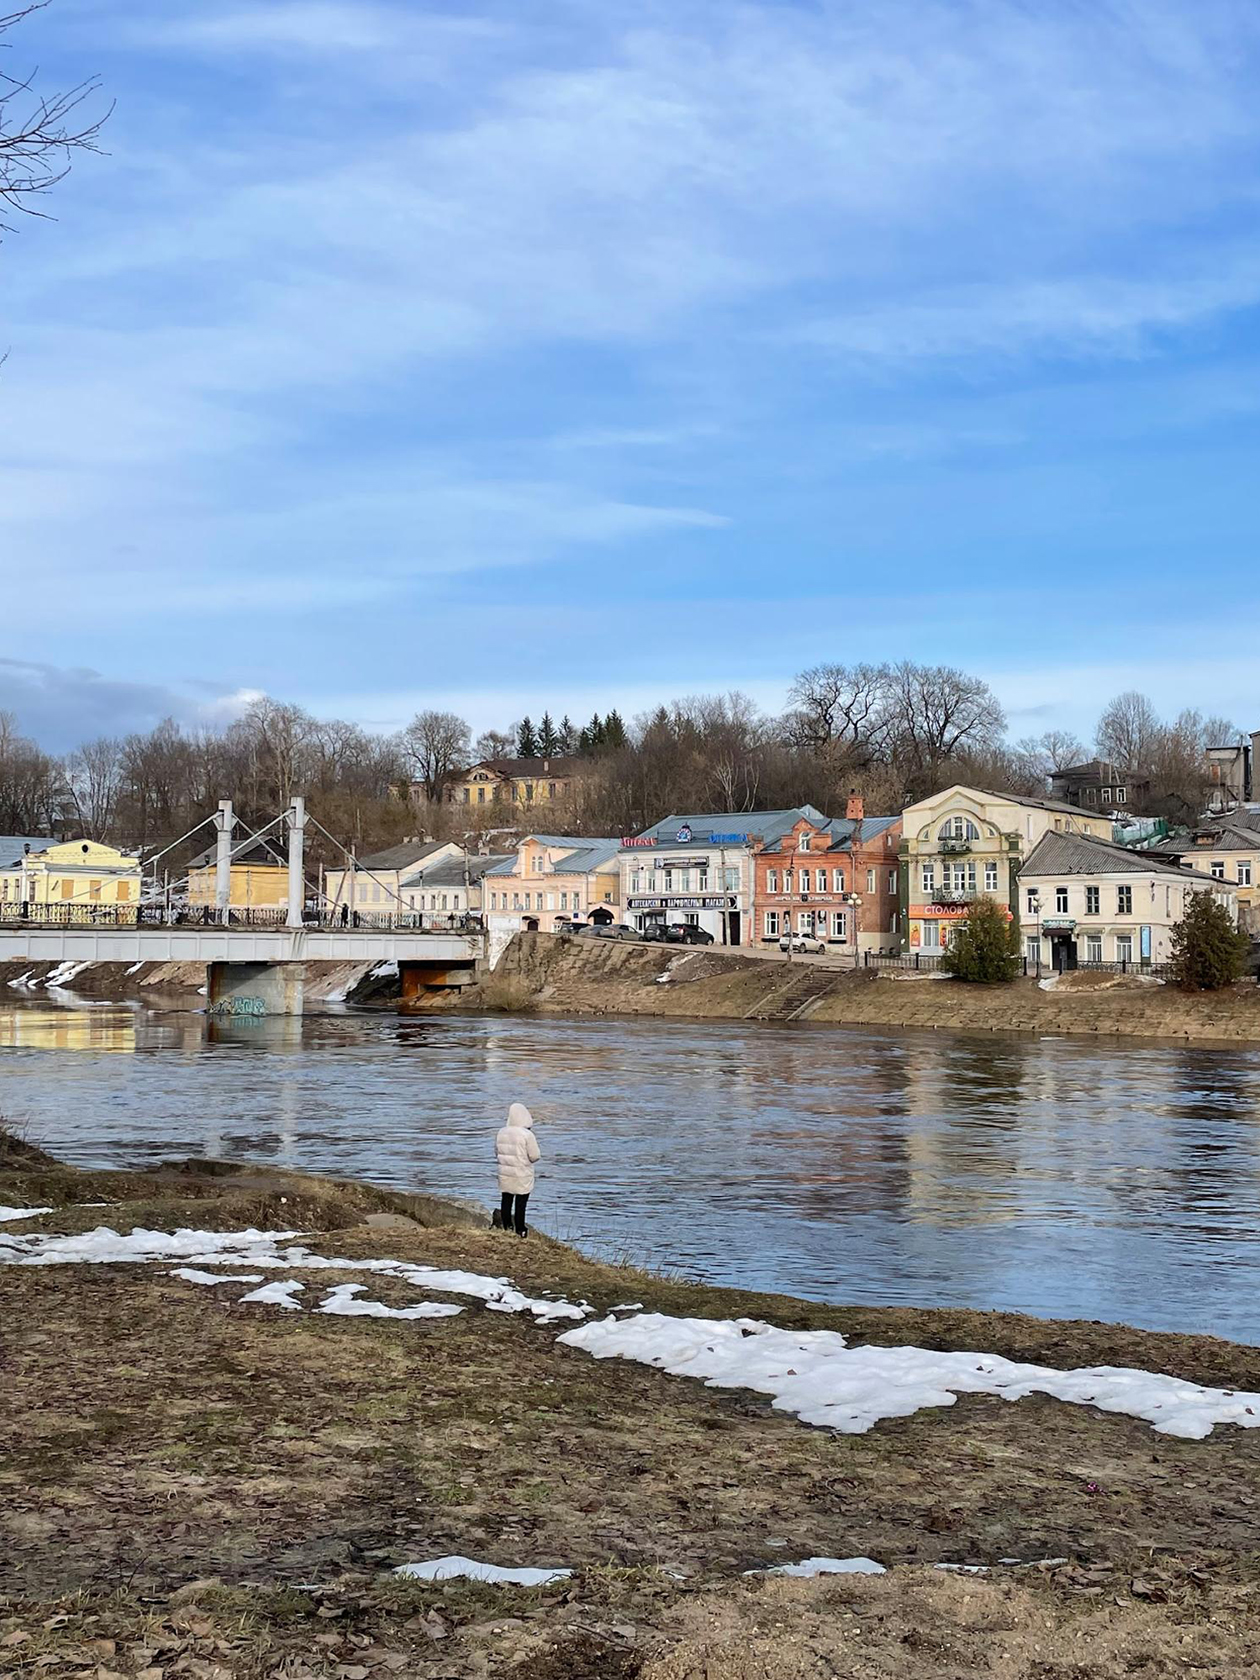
[[526, 740], [614, 731], [548, 740], [564, 737], [984, 948], [592, 737], [1208, 951]]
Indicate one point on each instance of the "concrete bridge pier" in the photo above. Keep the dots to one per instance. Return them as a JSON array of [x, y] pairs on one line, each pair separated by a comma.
[[244, 990], [421, 982]]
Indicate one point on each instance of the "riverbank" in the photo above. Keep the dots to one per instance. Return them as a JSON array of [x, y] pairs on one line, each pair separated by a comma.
[[553, 975], [196, 1483]]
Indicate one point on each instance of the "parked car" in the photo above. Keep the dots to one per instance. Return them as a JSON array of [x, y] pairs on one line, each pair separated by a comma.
[[656, 933], [801, 942], [687, 933], [618, 930]]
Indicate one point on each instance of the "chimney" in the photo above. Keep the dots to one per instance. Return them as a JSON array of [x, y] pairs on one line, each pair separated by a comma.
[[546, 766], [855, 810]]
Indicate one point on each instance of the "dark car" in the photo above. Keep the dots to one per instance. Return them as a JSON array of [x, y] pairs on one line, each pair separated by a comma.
[[610, 930], [687, 933], [655, 933]]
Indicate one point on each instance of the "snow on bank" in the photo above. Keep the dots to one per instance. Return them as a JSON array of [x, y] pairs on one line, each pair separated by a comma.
[[64, 973], [8, 1213], [278, 1294], [810, 1567], [260, 1251], [342, 1302], [816, 1375], [468, 1569], [190, 1274]]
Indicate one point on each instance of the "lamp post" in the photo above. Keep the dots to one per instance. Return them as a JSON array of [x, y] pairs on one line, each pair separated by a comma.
[[1034, 904]]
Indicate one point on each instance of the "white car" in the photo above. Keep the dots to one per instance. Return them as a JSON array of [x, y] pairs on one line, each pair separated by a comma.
[[801, 942]]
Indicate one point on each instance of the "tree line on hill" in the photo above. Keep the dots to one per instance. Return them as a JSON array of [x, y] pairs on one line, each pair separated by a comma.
[[892, 733]]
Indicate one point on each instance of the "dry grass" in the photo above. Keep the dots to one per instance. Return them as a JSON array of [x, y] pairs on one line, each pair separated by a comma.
[[157, 1433]]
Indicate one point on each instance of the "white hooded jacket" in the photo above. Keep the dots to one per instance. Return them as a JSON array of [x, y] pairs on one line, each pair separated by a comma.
[[516, 1149]]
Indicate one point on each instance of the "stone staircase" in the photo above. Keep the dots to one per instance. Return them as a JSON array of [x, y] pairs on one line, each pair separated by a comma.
[[795, 998]]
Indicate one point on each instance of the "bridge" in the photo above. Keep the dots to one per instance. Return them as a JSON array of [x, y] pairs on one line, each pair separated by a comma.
[[253, 958]]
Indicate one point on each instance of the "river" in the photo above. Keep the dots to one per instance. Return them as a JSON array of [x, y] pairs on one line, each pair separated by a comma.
[[1116, 1181]]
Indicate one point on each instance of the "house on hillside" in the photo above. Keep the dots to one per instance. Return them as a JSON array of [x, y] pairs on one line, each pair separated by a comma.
[[835, 879], [69, 881], [516, 781], [1098, 786], [1229, 850], [963, 844], [1084, 901]]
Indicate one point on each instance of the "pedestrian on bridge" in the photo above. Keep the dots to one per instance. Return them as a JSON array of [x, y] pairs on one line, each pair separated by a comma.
[[516, 1149]]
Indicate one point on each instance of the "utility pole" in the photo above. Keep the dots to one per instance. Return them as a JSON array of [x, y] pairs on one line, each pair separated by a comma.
[[224, 823], [297, 880]]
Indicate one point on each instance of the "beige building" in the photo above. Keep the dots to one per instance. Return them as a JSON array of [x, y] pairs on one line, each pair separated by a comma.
[[552, 881], [1229, 850], [71, 880], [451, 886], [516, 781], [259, 879], [965, 844], [1085, 902], [374, 885]]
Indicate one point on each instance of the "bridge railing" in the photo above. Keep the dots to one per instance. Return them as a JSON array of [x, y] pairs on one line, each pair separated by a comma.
[[16, 915]]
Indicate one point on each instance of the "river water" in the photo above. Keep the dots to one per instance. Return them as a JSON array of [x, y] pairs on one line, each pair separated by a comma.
[[1116, 1181]]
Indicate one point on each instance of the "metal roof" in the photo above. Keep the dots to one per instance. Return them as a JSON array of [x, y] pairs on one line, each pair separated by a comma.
[[766, 825], [13, 846], [594, 856], [1233, 837], [1057, 853], [402, 856], [449, 872]]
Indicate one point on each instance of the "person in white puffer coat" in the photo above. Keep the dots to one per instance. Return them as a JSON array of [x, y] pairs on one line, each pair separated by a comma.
[[516, 1149]]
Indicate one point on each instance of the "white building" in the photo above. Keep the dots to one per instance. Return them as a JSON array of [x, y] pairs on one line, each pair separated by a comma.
[[552, 881], [1085, 901]]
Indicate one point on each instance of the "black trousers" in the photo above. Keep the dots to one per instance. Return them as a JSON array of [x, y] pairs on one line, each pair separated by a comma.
[[505, 1211]]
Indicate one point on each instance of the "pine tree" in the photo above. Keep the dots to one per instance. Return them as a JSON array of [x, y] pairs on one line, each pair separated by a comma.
[[614, 730], [564, 737], [985, 947], [591, 737], [1208, 951], [548, 740], [526, 740]]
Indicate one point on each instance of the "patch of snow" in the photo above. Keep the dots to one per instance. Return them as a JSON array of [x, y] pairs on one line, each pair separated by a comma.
[[383, 969], [135, 968], [105, 1247], [628, 1306], [64, 973], [278, 1294], [190, 1274], [202, 991], [8, 1213], [964, 1568], [1049, 984], [22, 979], [817, 1376], [468, 1569], [341, 1300], [824, 1566]]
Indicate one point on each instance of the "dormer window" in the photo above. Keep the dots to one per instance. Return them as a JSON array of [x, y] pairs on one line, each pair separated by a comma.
[[958, 828], [802, 843]]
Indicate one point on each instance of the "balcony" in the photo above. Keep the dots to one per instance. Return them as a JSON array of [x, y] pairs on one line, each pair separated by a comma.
[[955, 848], [955, 895]]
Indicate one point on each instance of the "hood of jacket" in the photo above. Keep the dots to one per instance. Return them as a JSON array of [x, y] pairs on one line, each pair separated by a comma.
[[519, 1115]]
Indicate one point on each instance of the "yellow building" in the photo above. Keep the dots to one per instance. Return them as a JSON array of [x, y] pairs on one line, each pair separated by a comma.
[[516, 781], [374, 886], [259, 879], [1228, 849], [965, 844], [70, 880]]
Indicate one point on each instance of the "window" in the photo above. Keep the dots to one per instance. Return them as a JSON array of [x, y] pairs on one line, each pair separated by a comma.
[[1034, 903], [465, 795], [1093, 902], [124, 891], [870, 880], [802, 843], [376, 892], [931, 936], [551, 790], [564, 901], [1244, 872], [959, 828], [529, 792], [1217, 867], [1106, 794], [991, 877], [1032, 948], [772, 880], [771, 923], [1091, 796], [839, 924], [1121, 795], [929, 877], [443, 906], [551, 901], [805, 880], [1124, 901], [730, 880], [1093, 948], [363, 892], [892, 880], [67, 887], [837, 880], [516, 901], [702, 879], [1124, 947], [481, 796], [537, 901], [1060, 901], [94, 891]]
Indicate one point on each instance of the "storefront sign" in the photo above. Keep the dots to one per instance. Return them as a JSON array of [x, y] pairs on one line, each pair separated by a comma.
[[728, 839], [683, 836], [1057, 924], [638, 840], [692, 862], [680, 901], [939, 912]]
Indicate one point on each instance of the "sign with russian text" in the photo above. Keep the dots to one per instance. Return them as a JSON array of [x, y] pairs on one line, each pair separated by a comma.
[[684, 901], [638, 840]]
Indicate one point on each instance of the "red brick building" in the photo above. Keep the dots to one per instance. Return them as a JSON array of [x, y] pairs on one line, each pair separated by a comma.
[[809, 878]]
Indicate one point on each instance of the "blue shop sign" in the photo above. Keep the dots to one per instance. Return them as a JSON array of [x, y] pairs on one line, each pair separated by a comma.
[[729, 839]]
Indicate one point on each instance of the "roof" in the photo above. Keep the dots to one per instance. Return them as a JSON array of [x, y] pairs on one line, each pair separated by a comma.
[[261, 852], [12, 847], [1229, 835], [1080, 854], [403, 856], [1073, 811], [592, 856], [569, 844], [450, 872], [534, 767], [1094, 769], [766, 825]]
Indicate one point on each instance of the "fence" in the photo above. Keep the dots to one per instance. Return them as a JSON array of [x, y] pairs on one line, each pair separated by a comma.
[[16, 914], [911, 960], [929, 964]]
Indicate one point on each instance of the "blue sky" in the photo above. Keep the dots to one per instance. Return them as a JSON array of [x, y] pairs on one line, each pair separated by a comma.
[[511, 354]]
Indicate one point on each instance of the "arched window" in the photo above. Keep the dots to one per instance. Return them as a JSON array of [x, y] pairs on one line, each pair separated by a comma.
[[958, 828]]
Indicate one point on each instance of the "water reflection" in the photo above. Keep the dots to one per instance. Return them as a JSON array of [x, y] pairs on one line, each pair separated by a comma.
[[1098, 1180]]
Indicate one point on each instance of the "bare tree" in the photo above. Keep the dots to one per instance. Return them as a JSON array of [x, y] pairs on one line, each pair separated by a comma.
[[842, 705], [434, 744], [40, 133], [1128, 732], [495, 743], [32, 788], [94, 775], [937, 712], [1060, 748]]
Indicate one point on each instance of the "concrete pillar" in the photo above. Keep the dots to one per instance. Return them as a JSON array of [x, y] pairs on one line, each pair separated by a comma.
[[243, 990], [297, 879], [224, 822]]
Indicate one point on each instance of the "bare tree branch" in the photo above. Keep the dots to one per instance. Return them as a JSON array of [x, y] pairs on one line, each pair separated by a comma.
[[39, 134]]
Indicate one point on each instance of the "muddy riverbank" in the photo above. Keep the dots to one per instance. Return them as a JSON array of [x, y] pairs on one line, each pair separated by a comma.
[[196, 1483], [548, 974]]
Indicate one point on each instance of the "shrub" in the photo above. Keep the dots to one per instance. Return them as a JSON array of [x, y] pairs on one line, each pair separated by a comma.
[[1208, 951], [985, 947]]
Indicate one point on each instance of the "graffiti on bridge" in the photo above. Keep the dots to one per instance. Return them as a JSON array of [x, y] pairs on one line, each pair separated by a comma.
[[247, 1006]]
